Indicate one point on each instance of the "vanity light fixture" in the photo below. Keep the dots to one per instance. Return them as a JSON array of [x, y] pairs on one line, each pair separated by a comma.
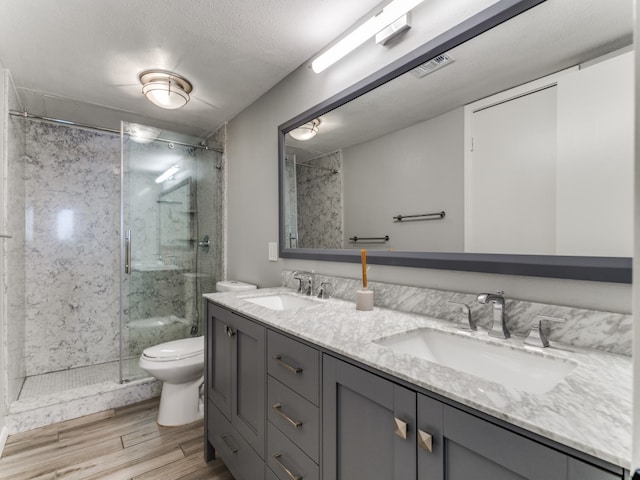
[[389, 14], [166, 175], [306, 131], [165, 89]]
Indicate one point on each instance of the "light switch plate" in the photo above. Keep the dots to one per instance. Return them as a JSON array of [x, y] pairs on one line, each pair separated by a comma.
[[273, 251]]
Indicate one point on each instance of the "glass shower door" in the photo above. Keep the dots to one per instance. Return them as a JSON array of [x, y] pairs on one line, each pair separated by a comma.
[[159, 299]]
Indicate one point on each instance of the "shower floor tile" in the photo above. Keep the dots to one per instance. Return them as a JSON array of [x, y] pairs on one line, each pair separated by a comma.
[[55, 382]]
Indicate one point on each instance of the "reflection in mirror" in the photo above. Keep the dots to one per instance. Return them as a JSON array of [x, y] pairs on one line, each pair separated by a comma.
[[522, 136]]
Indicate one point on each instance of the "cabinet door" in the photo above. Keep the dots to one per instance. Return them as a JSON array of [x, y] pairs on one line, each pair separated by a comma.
[[579, 470], [430, 439], [219, 343], [362, 419], [248, 381], [475, 448]]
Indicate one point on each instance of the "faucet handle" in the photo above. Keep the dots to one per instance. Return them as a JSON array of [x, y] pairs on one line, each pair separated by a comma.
[[299, 283], [536, 336], [471, 324]]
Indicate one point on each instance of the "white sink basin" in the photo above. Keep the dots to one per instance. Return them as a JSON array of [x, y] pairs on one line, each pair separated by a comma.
[[282, 301], [512, 368]]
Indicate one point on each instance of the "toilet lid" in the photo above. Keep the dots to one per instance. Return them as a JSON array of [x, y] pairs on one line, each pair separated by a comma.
[[176, 350]]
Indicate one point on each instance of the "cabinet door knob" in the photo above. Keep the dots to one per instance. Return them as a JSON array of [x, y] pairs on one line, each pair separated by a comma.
[[400, 428], [278, 409], [230, 332], [289, 473], [425, 441], [282, 363]]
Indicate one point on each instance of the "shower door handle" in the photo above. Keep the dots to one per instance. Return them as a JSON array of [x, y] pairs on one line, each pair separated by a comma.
[[127, 252]]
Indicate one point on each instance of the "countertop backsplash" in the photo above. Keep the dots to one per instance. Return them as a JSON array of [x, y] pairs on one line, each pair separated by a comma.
[[605, 331]]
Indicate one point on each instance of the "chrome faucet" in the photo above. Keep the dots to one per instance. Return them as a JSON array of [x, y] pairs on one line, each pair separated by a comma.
[[499, 326], [322, 293]]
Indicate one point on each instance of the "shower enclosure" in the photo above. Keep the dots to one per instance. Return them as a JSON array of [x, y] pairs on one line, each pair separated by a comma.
[[171, 242], [81, 201]]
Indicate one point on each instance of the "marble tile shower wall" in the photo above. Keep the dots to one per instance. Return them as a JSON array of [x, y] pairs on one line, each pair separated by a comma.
[[290, 202], [15, 259], [319, 198], [72, 247], [606, 331], [210, 168]]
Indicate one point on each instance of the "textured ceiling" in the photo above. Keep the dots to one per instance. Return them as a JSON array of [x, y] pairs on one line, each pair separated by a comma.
[[79, 59]]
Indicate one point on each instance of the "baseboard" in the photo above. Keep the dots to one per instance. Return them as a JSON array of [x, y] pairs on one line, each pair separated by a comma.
[[4, 434]]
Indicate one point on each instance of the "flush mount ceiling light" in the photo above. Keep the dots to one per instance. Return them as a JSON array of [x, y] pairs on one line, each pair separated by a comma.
[[165, 89], [306, 131], [389, 14]]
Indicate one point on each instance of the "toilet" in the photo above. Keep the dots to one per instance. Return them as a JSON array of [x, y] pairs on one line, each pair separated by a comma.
[[179, 364]]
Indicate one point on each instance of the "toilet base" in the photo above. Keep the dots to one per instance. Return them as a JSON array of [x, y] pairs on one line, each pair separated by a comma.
[[179, 403]]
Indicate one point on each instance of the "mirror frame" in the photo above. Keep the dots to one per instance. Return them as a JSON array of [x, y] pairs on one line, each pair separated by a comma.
[[602, 269]]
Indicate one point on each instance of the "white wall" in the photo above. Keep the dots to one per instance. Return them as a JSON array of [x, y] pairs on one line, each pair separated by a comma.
[[253, 183], [595, 208]]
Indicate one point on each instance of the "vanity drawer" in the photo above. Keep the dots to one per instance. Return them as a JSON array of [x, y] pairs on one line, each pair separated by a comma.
[[241, 460], [294, 364], [286, 460], [296, 417]]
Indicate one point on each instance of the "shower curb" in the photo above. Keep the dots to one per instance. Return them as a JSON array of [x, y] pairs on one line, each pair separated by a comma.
[[25, 415]]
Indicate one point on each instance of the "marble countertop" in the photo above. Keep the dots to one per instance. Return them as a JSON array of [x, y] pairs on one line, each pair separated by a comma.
[[589, 410]]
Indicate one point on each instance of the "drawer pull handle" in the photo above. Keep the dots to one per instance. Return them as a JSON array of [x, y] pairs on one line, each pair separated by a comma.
[[278, 358], [278, 408], [224, 437], [425, 441], [400, 428], [230, 332], [290, 474]]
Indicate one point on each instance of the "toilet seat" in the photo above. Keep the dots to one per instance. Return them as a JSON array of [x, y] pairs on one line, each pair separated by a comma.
[[175, 350]]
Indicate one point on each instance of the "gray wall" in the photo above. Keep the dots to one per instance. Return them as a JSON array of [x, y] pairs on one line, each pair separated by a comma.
[[253, 187], [412, 171], [636, 262], [4, 77], [13, 252], [12, 261]]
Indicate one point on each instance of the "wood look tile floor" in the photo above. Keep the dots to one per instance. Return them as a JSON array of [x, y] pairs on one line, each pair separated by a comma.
[[122, 443]]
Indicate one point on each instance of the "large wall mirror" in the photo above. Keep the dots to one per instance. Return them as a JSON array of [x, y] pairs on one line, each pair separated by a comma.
[[504, 145]]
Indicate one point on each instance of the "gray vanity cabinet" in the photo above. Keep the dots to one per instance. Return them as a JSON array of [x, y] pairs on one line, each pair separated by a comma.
[[376, 429], [368, 425], [281, 409], [236, 387], [465, 446], [293, 393]]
